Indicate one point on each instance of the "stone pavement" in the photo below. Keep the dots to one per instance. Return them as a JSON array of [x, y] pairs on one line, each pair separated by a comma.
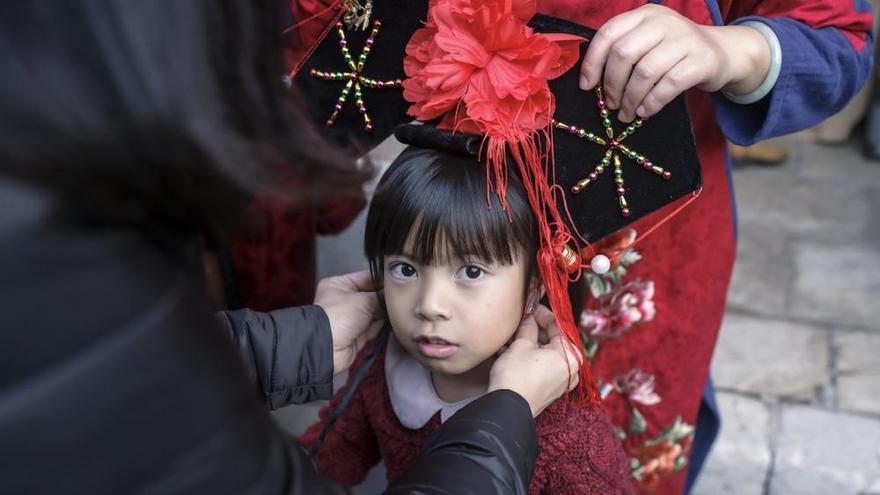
[[797, 367]]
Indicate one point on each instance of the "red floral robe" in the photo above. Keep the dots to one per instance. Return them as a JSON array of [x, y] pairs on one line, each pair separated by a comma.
[[656, 328], [661, 321]]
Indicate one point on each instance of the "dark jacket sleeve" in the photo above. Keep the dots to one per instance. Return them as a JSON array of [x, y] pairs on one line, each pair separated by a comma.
[[115, 378], [490, 446], [287, 353]]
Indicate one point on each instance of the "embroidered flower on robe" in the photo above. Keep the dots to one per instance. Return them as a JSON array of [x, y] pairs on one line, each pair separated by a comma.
[[661, 456], [619, 310], [594, 323], [638, 386], [618, 306], [656, 460]]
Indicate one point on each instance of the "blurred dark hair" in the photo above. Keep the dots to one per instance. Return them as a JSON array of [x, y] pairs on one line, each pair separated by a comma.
[[159, 112], [436, 204]]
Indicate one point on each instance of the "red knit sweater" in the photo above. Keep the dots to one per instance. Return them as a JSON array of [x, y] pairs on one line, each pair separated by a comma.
[[579, 452]]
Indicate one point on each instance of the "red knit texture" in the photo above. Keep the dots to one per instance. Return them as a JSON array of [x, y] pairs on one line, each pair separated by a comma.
[[579, 453]]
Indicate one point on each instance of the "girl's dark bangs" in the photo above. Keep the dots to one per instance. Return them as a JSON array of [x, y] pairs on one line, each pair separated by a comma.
[[435, 208]]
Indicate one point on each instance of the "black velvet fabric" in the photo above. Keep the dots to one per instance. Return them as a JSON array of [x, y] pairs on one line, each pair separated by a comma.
[[428, 136], [386, 107], [666, 139]]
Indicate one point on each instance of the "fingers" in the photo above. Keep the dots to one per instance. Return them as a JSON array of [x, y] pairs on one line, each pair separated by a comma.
[[360, 281], [528, 330], [650, 69], [544, 317], [573, 381], [625, 54], [573, 356], [600, 46], [371, 332], [554, 339], [679, 78], [645, 58], [561, 344], [374, 329], [546, 320]]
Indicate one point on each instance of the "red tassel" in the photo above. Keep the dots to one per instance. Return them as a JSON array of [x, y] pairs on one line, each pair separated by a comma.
[[553, 235], [556, 285]]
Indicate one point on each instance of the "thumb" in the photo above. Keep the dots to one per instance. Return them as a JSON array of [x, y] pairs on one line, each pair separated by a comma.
[[547, 321], [374, 329], [358, 281], [528, 330]]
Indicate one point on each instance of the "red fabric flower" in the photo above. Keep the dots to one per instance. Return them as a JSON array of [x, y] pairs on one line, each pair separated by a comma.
[[481, 53]]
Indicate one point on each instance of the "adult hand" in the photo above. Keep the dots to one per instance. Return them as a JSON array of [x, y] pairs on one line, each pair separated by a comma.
[[352, 306], [652, 54], [538, 367]]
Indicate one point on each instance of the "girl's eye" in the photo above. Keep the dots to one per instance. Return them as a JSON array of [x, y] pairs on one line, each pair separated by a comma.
[[470, 272], [403, 270]]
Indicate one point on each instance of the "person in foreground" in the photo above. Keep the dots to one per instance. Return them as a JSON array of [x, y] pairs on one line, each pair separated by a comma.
[[132, 134]]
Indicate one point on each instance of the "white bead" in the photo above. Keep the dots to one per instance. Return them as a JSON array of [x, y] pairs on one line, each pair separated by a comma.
[[600, 264]]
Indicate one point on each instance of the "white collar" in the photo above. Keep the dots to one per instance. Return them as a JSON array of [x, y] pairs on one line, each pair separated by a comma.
[[411, 390]]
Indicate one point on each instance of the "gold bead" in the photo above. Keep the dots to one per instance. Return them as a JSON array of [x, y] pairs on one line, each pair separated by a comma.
[[569, 259]]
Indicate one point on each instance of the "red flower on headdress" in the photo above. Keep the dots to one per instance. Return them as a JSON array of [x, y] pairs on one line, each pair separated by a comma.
[[481, 53]]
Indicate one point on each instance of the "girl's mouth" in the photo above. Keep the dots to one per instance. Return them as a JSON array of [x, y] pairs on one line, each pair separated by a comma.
[[435, 348]]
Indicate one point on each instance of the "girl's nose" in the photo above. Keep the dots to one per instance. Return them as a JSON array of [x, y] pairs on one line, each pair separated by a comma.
[[432, 303]]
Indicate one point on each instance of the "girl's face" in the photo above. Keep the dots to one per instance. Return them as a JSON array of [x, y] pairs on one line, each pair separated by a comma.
[[455, 315]]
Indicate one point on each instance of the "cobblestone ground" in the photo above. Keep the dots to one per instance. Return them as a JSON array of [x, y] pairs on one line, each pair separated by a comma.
[[797, 366]]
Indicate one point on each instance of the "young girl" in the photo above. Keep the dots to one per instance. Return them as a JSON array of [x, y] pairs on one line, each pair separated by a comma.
[[459, 277]]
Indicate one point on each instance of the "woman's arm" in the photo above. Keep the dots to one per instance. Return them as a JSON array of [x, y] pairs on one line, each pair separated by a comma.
[[293, 353], [487, 447], [111, 329], [826, 57], [288, 353], [646, 57]]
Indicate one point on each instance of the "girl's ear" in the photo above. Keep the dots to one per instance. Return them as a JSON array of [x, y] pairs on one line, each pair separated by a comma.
[[536, 292]]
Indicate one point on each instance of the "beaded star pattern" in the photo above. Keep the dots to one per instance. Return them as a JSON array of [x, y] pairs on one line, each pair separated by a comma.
[[357, 81], [614, 148]]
